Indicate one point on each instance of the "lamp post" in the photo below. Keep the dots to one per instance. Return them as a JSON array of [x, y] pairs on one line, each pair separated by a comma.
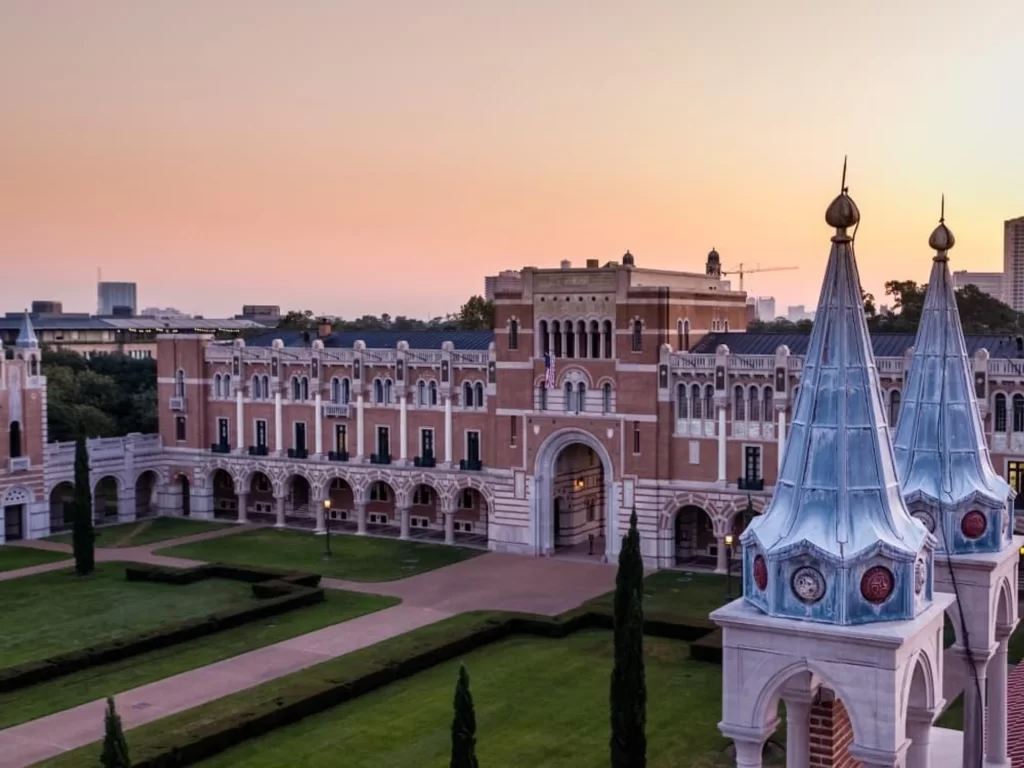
[[327, 529], [728, 565]]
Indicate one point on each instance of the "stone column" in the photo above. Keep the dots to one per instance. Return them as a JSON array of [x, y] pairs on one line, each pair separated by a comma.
[[997, 678], [781, 436], [449, 527], [361, 518], [721, 444], [748, 753], [402, 427], [280, 512], [243, 505], [919, 731], [359, 426], [448, 430], [403, 513], [722, 564], [239, 420], [125, 505], [318, 431], [278, 428], [798, 730], [974, 710], [320, 513]]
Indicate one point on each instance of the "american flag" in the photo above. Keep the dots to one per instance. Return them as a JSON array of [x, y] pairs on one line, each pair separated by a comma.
[[549, 372]]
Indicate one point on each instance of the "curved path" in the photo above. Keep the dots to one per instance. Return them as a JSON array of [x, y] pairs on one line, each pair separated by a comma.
[[488, 582]]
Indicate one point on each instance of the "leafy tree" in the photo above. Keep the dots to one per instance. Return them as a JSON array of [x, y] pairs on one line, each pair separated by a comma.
[[83, 539], [629, 688], [477, 314], [115, 747], [463, 725], [297, 320]]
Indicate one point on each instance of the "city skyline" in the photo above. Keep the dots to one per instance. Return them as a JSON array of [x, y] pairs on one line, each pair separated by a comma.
[[286, 159]]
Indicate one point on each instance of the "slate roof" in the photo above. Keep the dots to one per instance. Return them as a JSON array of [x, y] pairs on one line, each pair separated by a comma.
[[96, 323], [883, 344], [465, 340]]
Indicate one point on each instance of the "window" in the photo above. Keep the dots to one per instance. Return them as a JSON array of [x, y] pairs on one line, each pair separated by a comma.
[[262, 483], [261, 433], [433, 393], [581, 397], [335, 390], [296, 389], [725, 323], [636, 437], [387, 391], [568, 397], [545, 340], [421, 392], [379, 491], [473, 446], [681, 402], [1000, 415], [607, 335], [299, 436], [513, 429], [513, 334], [709, 401], [218, 390], [570, 339], [265, 381], [383, 442], [696, 402], [15, 439], [738, 411], [606, 397], [766, 412], [754, 406], [686, 334], [427, 443], [222, 431], [595, 339], [638, 336], [479, 389], [378, 391], [227, 385], [752, 463], [467, 395], [179, 383], [422, 496], [341, 438], [256, 392], [542, 398], [1018, 413], [556, 336], [679, 335], [179, 429], [695, 452], [466, 498], [346, 391], [894, 407]]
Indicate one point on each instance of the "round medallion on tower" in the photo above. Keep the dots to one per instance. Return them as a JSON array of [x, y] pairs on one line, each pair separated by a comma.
[[877, 584], [842, 213], [973, 525], [808, 584], [920, 575], [926, 519], [760, 573]]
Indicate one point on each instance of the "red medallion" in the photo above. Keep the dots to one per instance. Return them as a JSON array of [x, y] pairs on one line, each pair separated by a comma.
[[877, 585], [760, 573], [973, 524]]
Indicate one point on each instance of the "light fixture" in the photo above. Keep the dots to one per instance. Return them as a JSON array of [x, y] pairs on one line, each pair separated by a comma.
[[579, 483], [1021, 550], [728, 539], [327, 503]]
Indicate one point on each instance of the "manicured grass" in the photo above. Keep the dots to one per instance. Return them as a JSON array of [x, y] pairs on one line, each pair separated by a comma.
[[538, 702], [679, 595], [12, 558], [356, 558], [143, 532], [71, 690], [57, 612]]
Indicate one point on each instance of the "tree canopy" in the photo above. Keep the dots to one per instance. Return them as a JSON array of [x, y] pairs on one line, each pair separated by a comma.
[[477, 314]]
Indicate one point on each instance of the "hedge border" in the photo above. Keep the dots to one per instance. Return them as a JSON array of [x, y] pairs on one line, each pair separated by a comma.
[[277, 591], [306, 697]]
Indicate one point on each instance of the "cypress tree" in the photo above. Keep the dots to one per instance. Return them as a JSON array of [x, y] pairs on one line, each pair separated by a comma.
[[82, 535], [628, 688], [115, 748], [463, 725]]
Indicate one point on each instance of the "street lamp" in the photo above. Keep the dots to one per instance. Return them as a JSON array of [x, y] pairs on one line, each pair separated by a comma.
[[728, 565], [327, 529]]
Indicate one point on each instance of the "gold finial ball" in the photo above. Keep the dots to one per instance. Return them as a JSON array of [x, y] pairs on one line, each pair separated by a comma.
[[942, 239], [842, 212]]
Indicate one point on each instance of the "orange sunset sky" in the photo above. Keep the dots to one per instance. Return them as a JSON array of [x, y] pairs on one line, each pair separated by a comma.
[[353, 157]]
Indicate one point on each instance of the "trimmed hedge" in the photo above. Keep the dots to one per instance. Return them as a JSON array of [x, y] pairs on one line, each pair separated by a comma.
[[308, 697], [278, 591]]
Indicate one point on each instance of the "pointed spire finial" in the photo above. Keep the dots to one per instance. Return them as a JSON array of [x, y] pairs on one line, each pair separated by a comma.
[[941, 239], [843, 189], [842, 213], [942, 211]]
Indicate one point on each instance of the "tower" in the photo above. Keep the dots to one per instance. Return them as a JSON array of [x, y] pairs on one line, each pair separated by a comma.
[[837, 575], [713, 267], [949, 484]]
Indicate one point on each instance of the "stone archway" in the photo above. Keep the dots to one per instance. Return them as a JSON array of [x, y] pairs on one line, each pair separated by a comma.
[[225, 500], [105, 500], [62, 498], [695, 540], [146, 494], [599, 484]]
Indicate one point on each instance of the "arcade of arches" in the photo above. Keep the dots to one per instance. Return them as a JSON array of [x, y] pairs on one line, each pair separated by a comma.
[[696, 543], [578, 504], [107, 503]]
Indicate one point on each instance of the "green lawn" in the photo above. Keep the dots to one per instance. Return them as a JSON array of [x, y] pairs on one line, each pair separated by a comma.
[[538, 702], [56, 612], [12, 558], [357, 558], [87, 685], [143, 532], [679, 595]]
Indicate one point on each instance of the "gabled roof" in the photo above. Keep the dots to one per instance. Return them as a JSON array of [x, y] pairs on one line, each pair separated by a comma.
[[882, 344], [467, 340]]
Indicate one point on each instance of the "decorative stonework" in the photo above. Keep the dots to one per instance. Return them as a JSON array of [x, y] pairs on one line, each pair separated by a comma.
[[973, 524], [808, 584], [927, 519], [877, 584], [760, 573], [920, 575]]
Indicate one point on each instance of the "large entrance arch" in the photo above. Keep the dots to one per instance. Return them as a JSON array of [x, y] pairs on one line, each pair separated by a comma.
[[574, 468]]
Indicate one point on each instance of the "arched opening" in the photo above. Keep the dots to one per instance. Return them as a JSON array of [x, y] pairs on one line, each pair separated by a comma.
[[260, 504], [470, 509], [695, 537], [380, 507], [104, 499], [15, 440], [145, 494], [342, 499], [184, 488], [426, 520], [579, 508], [298, 507], [225, 501], [14, 507], [62, 499]]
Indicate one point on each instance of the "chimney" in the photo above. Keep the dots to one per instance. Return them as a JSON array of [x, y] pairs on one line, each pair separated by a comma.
[[593, 264], [325, 328], [566, 264]]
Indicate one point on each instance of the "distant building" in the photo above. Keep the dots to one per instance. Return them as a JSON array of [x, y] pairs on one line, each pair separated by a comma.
[[116, 299], [504, 282], [47, 308], [988, 282], [162, 312], [269, 313], [764, 308], [1013, 263], [798, 312]]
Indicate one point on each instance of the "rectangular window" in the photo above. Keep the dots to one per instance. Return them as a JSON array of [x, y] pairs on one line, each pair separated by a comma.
[[473, 446], [341, 438], [636, 437], [179, 429], [466, 498], [300, 436], [513, 427], [542, 398], [695, 451], [752, 463], [379, 491], [513, 334], [427, 443], [421, 496], [222, 431], [1015, 477], [261, 433], [383, 442]]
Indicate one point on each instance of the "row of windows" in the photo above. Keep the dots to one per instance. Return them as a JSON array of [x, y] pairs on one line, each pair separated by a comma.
[[578, 339], [574, 398]]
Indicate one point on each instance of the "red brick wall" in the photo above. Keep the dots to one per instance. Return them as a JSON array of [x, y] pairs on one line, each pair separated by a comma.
[[831, 735]]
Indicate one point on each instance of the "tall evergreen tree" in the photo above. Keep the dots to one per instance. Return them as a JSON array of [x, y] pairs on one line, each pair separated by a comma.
[[83, 538], [463, 725], [115, 748], [629, 689]]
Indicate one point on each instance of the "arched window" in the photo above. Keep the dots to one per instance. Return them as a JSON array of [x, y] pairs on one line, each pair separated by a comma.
[[421, 392], [255, 393], [542, 398], [606, 397], [179, 383], [227, 385], [296, 388], [433, 392], [709, 401], [738, 411], [686, 334], [606, 337], [467, 395], [726, 322], [479, 389], [1000, 413], [595, 339], [581, 397], [570, 339], [335, 390], [305, 388], [681, 402], [556, 338], [513, 334], [766, 413], [378, 391], [15, 440], [568, 396], [346, 391], [638, 336], [679, 335], [696, 402], [894, 407], [387, 391], [754, 406], [218, 389], [545, 340], [1018, 413], [582, 345]]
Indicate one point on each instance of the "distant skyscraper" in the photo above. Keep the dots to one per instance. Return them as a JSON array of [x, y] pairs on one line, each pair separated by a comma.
[[116, 299], [765, 308], [989, 282], [1013, 263]]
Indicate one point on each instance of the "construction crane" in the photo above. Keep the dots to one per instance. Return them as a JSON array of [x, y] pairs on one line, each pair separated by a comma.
[[741, 270]]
